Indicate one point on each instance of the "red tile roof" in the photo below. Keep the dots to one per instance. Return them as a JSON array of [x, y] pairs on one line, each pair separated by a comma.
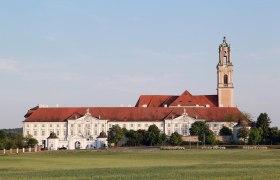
[[186, 99], [132, 113], [155, 100]]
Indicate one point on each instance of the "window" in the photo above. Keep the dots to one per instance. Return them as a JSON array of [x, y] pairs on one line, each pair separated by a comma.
[[110, 125], [225, 59], [139, 125], [124, 125], [57, 125], [43, 125], [72, 133], [64, 133], [43, 133], [35, 125], [27, 132], [161, 125], [176, 125], [65, 125], [50, 125], [168, 124], [35, 133], [79, 125], [102, 125], [169, 132], [95, 133], [185, 129], [225, 79], [131, 125], [95, 125], [146, 125], [57, 133], [27, 125], [72, 125]]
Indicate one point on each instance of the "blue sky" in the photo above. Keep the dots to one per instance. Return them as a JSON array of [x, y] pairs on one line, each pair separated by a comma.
[[107, 53]]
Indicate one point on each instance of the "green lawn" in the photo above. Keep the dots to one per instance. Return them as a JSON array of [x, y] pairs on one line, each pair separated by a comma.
[[181, 164]]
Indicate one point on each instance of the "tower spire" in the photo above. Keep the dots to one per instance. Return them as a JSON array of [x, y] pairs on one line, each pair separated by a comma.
[[225, 76]]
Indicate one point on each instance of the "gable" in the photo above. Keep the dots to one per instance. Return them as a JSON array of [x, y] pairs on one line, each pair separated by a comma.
[[187, 99]]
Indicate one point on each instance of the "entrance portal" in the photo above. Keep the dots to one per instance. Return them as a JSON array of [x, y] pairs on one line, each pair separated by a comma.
[[77, 145]]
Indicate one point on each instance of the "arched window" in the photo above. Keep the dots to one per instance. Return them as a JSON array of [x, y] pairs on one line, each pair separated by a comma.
[[225, 59], [225, 79]]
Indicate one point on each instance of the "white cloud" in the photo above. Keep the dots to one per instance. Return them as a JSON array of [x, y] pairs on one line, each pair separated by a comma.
[[8, 64]]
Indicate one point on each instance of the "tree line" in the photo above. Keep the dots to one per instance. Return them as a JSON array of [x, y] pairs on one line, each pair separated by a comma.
[[260, 132], [256, 132], [151, 137], [13, 138]]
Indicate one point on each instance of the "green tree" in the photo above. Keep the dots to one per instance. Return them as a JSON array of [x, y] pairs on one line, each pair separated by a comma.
[[254, 136], [209, 137], [198, 128], [243, 133], [273, 135], [3, 135], [141, 136], [263, 122], [225, 131], [2, 146], [10, 144], [115, 134], [19, 141], [31, 142], [132, 138], [201, 129], [175, 139], [152, 135], [163, 140]]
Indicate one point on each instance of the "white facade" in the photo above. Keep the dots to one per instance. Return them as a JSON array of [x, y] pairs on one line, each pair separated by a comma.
[[83, 132]]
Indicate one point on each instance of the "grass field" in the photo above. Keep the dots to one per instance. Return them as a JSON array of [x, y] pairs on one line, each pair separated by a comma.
[[184, 164]]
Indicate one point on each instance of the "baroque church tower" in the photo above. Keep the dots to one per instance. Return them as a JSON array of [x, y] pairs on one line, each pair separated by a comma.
[[224, 75]]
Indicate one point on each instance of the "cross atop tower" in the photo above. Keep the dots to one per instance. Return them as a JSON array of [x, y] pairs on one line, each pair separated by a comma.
[[224, 44]]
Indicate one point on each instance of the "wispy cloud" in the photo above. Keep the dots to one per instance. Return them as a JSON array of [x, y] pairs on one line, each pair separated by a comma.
[[8, 64], [34, 72]]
